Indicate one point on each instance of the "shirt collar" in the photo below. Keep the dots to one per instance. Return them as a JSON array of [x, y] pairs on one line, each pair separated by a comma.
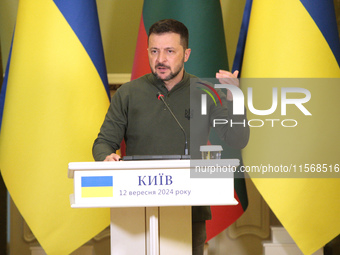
[[160, 84]]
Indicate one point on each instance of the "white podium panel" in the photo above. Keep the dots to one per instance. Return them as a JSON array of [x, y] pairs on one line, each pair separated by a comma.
[[179, 237], [128, 231], [150, 201], [146, 183]]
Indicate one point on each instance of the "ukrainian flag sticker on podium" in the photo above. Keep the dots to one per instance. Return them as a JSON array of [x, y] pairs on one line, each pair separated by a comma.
[[96, 186]]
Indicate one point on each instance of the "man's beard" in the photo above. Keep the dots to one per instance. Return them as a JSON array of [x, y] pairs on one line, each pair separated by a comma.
[[171, 75]]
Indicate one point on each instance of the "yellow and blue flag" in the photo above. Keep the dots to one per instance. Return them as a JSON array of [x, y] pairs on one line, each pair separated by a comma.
[[296, 39], [97, 186], [55, 98]]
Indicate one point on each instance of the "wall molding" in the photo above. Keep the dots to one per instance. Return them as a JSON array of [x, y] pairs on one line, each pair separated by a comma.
[[256, 219], [118, 78]]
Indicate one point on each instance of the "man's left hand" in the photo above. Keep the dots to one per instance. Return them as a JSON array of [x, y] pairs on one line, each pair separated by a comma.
[[226, 77]]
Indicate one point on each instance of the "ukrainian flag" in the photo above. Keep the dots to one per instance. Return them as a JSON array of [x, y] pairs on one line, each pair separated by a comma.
[[96, 186], [55, 101], [297, 39]]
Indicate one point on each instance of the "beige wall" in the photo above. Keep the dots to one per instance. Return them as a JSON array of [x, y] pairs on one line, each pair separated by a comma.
[[119, 22], [8, 10]]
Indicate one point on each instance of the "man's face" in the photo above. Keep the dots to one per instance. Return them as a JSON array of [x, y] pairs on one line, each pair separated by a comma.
[[167, 56]]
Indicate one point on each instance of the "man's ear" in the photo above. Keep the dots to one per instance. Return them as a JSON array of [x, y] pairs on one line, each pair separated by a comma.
[[187, 54]]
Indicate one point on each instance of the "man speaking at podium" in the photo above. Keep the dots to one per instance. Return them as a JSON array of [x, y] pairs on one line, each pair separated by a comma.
[[145, 123]]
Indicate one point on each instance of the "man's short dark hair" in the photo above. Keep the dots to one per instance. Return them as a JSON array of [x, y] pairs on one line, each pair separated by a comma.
[[171, 25]]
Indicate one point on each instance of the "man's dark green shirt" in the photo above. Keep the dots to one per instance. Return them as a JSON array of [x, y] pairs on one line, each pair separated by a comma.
[[143, 121]]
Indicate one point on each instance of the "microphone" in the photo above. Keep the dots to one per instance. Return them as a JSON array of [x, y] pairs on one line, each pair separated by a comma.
[[160, 96]]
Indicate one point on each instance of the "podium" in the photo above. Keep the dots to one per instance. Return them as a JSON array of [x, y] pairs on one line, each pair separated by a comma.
[[151, 200]]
